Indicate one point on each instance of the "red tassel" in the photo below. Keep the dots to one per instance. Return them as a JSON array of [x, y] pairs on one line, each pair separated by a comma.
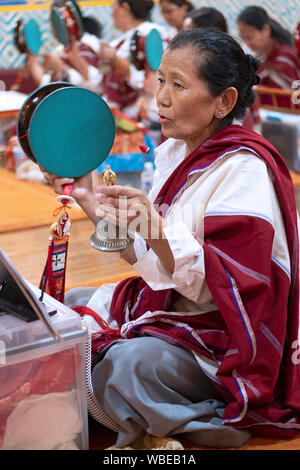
[[144, 148], [107, 331]]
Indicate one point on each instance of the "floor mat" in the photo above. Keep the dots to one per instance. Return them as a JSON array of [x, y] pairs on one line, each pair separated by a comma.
[[102, 438], [25, 204]]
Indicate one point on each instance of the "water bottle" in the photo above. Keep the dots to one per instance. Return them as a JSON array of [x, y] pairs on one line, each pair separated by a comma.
[[147, 177]]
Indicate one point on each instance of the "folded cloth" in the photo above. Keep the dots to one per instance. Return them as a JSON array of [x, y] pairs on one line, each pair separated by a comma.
[[43, 422]]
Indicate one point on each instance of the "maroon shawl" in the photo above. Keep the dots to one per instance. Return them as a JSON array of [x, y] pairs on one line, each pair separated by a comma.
[[253, 334], [284, 62]]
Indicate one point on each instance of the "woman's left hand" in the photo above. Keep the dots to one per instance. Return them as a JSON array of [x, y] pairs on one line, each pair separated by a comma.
[[129, 208], [106, 53]]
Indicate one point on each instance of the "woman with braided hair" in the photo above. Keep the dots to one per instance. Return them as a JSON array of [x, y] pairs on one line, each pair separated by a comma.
[[204, 341]]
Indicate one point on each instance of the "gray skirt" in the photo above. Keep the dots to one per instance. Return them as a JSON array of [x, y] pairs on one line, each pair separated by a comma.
[[147, 385]]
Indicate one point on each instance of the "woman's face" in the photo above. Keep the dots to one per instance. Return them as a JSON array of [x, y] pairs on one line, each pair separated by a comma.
[[258, 41], [173, 14], [186, 108], [118, 14]]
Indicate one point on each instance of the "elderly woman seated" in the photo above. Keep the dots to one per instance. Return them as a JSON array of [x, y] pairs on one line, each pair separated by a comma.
[[204, 342]]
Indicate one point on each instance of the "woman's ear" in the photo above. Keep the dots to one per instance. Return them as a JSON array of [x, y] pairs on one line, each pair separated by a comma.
[[267, 30], [227, 102], [126, 7]]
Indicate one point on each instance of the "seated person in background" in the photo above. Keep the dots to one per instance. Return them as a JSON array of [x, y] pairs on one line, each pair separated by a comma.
[[90, 42], [273, 45], [174, 12], [123, 83], [203, 344], [205, 17], [77, 64]]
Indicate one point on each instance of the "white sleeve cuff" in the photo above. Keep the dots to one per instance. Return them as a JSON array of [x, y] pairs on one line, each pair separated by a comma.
[[188, 255], [95, 76], [136, 78], [46, 78], [189, 272], [74, 76]]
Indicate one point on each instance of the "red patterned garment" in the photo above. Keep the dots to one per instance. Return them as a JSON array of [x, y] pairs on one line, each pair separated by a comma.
[[116, 88], [87, 53], [253, 333], [280, 70]]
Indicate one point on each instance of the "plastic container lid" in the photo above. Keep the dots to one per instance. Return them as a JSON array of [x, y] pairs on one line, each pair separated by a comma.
[[17, 335]]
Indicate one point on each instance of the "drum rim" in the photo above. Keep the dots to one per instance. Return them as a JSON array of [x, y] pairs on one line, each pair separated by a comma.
[[24, 115], [137, 45], [64, 38], [77, 16], [19, 42]]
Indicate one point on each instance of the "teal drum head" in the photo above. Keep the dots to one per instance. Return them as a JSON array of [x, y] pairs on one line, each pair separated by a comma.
[[154, 49], [76, 16], [59, 26], [71, 132], [66, 23], [33, 37]]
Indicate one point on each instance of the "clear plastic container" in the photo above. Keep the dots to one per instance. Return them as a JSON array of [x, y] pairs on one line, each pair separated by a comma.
[[43, 402]]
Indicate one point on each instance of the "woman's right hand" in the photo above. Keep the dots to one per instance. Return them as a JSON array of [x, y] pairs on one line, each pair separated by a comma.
[[56, 182], [83, 191]]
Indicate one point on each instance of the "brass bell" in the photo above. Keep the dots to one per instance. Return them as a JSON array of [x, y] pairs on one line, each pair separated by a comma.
[[107, 236]]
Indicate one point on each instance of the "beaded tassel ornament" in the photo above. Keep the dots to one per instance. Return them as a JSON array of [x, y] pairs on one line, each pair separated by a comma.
[[54, 274]]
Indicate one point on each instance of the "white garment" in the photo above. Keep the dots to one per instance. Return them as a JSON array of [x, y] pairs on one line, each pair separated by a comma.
[[237, 183], [44, 422]]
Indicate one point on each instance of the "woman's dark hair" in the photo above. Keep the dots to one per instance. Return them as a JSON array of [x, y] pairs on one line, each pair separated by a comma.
[[222, 63], [139, 8], [258, 18], [92, 26], [180, 3], [208, 18]]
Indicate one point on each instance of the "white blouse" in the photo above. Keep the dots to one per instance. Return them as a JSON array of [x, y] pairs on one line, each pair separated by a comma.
[[237, 183]]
